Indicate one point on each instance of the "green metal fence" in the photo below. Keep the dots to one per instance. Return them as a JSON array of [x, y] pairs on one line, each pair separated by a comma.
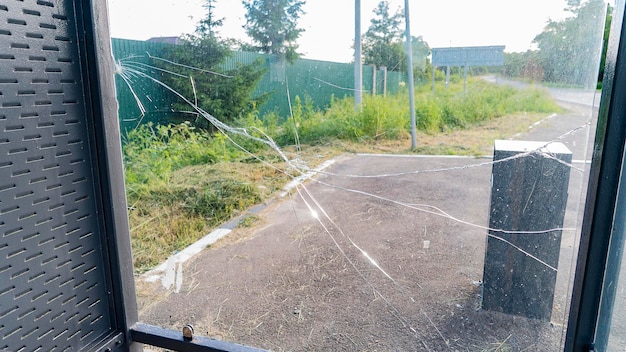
[[319, 81], [137, 93]]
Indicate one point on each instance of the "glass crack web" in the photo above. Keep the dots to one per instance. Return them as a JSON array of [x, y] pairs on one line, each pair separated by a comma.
[[360, 259]]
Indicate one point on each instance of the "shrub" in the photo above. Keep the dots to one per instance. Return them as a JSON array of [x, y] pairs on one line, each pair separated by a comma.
[[428, 114], [388, 117], [151, 153]]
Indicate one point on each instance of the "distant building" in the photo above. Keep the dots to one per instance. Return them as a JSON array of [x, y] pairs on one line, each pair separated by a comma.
[[165, 40]]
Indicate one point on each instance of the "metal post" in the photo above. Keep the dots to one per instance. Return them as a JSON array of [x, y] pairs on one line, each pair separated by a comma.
[[409, 60], [358, 66], [374, 79], [384, 69]]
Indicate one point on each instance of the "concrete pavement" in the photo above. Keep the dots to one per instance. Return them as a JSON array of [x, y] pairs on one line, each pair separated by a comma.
[[461, 192]]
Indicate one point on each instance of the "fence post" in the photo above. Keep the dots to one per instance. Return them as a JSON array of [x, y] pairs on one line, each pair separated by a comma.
[[374, 83], [384, 68], [528, 201]]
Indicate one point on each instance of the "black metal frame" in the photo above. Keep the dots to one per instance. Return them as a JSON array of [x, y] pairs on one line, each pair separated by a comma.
[[608, 156], [595, 266], [100, 67], [164, 338], [598, 221]]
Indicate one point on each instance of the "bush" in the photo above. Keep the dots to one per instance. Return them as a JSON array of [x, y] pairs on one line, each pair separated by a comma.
[[388, 117], [378, 118], [382, 118], [151, 153], [453, 109], [428, 114], [177, 188]]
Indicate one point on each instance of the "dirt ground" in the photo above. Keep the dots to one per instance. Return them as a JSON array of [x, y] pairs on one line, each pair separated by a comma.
[[287, 284], [375, 268]]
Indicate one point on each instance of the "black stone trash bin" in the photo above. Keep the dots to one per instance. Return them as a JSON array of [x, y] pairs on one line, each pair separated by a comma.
[[529, 184]]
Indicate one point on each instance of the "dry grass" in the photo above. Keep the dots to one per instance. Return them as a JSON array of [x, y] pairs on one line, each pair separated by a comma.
[[166, 220], [476, 141], [218, 322], [162, 225]]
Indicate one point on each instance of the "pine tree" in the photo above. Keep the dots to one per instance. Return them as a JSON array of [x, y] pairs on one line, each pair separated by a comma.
[[199, 77], [382, 43], [208, 26], [273, 26]]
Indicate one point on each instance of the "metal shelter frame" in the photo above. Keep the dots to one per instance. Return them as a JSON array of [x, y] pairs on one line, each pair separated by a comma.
[[66, 275]]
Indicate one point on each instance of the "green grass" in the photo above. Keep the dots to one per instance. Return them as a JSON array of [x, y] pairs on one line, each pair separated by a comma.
[[182, 181], [167, 218], [451, 109], [388, 117]]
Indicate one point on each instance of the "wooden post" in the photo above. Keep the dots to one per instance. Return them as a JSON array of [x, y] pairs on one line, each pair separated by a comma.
[[432, 88], [465, 79], [409, 61]]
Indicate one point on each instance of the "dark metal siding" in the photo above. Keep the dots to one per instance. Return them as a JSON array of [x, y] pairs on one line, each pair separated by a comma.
[[54, 286]]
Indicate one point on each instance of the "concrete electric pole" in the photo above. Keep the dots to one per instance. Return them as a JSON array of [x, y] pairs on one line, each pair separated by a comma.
[[358, 66], [409, 61]]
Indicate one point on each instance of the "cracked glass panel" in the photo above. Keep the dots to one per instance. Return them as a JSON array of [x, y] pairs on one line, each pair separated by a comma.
[[283, 197]]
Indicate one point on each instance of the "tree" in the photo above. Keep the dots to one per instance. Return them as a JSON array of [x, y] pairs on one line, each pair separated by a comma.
[[273, 26], [568, 47], [382, 43], [421, 50], [225, 94], [208, 26], [523, 65], [605, 46]]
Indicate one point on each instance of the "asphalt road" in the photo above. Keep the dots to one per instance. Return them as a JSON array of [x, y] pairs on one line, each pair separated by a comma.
[[458, 186]]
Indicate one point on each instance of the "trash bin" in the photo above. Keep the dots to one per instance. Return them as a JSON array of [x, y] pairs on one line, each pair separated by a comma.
[[529, 184]]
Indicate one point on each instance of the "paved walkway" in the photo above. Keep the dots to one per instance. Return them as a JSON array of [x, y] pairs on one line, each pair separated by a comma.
[[367, 212]]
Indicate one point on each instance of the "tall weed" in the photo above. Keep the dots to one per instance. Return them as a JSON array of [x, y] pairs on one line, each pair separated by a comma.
[[450, 109], [151, 153], [381, 117], [177, 189]]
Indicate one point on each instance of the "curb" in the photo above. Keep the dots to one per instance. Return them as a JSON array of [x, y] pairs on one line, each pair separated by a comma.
[[170, 272]]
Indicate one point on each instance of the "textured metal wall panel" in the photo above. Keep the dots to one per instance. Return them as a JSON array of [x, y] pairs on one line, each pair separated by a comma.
[[54, 291]]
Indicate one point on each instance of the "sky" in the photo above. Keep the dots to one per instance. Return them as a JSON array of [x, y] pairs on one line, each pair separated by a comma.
[[329, 24]]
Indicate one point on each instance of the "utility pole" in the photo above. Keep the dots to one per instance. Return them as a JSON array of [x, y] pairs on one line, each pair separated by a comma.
[[409, 60], [358, 66]]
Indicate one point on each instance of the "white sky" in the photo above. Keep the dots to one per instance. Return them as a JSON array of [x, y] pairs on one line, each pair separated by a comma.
[[329, 24]]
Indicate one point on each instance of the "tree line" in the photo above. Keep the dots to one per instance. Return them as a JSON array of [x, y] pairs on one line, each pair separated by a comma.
[[562, 51], [565, 49], [272, 26]]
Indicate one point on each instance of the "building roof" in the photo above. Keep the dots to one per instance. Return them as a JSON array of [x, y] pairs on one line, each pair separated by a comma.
[[166, 40]]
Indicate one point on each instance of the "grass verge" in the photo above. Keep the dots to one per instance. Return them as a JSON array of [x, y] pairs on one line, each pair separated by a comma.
[[183, 182]]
